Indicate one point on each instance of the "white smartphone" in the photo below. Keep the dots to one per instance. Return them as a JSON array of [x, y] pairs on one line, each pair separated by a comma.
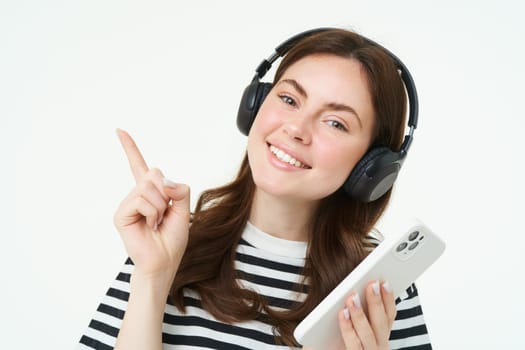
[[399, 259]]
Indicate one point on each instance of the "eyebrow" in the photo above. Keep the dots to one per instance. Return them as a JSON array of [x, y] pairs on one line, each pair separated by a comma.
[[330, 105]]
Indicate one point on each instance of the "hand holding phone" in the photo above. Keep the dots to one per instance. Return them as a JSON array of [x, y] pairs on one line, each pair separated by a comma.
[[399, 259]]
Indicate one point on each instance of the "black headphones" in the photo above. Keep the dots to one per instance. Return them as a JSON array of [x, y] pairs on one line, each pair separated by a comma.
[[376, 172]]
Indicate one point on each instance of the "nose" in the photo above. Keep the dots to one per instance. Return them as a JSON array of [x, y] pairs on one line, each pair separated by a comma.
[[299, 129]]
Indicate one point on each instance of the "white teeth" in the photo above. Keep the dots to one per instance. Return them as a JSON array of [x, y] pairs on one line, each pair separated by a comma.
[[285, 157]]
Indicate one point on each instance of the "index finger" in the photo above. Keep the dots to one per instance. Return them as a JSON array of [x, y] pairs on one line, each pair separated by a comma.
[[136, 162]]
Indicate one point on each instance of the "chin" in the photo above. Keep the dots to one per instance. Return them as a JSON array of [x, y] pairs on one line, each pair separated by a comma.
[[289, 193]]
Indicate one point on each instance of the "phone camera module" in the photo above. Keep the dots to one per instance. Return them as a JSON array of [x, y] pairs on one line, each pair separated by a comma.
[[410, 243]]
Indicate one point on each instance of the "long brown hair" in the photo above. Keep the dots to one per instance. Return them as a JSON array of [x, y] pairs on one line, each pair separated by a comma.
[[338, 227]]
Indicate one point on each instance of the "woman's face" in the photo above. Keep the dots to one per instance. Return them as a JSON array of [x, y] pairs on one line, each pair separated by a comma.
[[311, 130]]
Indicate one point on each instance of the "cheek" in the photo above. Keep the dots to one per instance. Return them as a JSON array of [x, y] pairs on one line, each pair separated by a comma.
[[338, 165], [268, 116]]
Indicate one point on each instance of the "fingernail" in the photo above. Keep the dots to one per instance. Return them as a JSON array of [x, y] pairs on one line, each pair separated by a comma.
[[160, 220], [375, 287], [356, 300], [168, 183], [346, 313], [155, 227], [387, 287]]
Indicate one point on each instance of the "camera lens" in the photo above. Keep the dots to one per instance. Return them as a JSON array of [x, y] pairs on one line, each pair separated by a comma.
[[413, 245], [413, 235], [401, 246]]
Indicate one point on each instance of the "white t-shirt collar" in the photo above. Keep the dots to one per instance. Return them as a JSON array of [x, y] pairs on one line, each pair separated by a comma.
[[275, 245]]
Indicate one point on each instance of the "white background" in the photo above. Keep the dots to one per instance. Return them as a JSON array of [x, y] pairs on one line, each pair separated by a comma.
[[172, 73]]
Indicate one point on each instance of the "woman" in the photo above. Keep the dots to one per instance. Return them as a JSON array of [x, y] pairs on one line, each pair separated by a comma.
[[262, 251]]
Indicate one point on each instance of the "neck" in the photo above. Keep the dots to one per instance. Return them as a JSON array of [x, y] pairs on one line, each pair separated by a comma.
[[286, 218]]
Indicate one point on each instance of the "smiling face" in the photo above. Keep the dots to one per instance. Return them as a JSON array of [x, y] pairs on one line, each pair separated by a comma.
[[312, 128]]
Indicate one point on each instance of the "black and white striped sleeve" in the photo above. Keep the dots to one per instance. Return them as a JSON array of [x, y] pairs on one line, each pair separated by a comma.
[[103, 328]]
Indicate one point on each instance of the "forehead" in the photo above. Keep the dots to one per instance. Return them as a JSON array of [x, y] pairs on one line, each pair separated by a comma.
[[330, 78], [325, 68]]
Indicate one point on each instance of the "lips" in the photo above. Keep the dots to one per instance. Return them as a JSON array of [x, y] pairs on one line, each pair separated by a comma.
[[288, 158]]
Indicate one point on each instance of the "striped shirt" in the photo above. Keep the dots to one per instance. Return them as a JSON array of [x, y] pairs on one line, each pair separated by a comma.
[[266, 264]]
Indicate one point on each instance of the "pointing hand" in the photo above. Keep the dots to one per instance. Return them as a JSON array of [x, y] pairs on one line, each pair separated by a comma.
[[153, 219]]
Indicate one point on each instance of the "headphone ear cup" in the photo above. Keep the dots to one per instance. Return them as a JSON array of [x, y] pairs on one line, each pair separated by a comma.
[[373, 175], [252, 99]]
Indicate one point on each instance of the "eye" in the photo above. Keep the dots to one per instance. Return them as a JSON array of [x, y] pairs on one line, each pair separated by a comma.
[[288, 100], [337, 125]]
